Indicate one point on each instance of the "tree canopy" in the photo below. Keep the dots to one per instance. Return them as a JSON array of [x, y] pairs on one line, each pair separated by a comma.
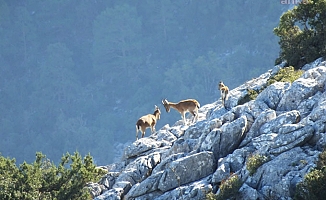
[[44, 180], [302, 33]]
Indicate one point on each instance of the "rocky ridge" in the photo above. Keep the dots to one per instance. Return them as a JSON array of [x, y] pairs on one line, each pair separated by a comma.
[[285, 123]]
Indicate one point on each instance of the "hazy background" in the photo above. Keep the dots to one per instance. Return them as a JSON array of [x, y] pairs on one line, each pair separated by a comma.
[[77, 74]]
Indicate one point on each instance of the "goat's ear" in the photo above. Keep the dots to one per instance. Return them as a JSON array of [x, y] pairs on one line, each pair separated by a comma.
[[156, 107], [163, 101]]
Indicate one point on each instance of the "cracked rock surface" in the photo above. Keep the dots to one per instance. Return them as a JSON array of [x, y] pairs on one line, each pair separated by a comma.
[[286, 123]]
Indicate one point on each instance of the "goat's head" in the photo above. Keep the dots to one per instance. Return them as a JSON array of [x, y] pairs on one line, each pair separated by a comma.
[[157, 112], [220, 85], [166, 105]]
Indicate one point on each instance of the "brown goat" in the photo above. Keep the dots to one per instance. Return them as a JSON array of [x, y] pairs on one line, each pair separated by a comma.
[[147, 121], [184, 106], [224, 92]]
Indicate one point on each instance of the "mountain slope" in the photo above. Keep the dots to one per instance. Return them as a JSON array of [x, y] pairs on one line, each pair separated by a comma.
[[285, 125]]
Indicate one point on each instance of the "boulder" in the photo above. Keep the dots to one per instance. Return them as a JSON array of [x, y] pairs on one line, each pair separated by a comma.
[[308, 85], [273, 125], [273, 94], [187, 169], [109, 179], [140, 146], [149, 185], [182, 146], [254, 131], [247, 192], [230, 164], [112, 194], [95, 189], [273, 179], [195, 191], [164, 136], [136, 171], [226, 139], [285, 142]]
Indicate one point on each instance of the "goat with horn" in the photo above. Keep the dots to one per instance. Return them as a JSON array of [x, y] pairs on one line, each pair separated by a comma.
[[147, 121], [184, 106]]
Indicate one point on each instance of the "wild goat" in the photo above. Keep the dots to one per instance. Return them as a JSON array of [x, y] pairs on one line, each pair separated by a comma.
[[184, 106], [147, 121], [224, 92]]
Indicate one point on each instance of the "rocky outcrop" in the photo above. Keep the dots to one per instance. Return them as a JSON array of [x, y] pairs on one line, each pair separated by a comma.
[[286, 123]]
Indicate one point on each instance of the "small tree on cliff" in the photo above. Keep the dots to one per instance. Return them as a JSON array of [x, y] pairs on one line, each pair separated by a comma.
[[44, 180], [302, 33]]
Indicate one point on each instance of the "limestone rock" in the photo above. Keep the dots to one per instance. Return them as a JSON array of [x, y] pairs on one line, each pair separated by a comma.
[[147, 186], [274, 177], [187, 169], [273, 94], [96, 189], [312, 81], [226, 139], [140, 146], [196, 191], [286, 123], [263, 118], [113, 194], [285, 142], [272, 126]]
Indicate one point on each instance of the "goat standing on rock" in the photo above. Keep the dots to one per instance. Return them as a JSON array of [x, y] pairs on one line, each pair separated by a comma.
[[184, 106], [224, 92], [147, 121]]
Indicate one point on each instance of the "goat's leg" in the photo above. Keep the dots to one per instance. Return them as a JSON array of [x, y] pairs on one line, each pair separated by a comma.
[[195, 116], [143, 130], [224, 99], [136, 132], [183, 115]]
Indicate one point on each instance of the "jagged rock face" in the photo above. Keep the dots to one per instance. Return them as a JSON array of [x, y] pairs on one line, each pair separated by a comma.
[[273, 94], [275, 178], [224, 140], [286, 123]]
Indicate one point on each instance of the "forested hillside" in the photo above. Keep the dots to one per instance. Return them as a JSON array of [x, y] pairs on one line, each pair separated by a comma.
[[77, 74]]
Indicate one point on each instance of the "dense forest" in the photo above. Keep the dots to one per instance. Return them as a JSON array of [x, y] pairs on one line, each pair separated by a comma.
[[77, 74]]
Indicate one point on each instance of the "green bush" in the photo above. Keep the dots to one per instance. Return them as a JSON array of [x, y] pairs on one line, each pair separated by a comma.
[[313, 186], [229, 188], [254, 162], [44, 180], [321, 163], [286, 74], [251, 95]]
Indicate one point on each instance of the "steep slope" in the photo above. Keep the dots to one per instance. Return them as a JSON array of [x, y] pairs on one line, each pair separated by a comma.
[[285, 124]]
